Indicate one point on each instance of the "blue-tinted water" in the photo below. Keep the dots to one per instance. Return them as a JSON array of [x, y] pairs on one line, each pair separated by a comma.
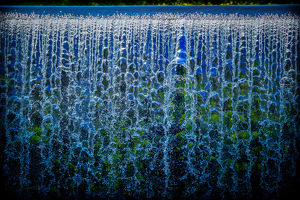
[[254, 10], [200, 106]]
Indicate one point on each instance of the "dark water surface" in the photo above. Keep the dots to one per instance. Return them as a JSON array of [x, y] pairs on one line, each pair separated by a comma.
[[140, 10]]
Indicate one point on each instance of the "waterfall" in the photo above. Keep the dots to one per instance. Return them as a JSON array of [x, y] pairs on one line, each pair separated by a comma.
[[169, 105]]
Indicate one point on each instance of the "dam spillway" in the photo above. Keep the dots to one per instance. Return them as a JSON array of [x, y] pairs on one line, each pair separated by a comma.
[[146, 106]]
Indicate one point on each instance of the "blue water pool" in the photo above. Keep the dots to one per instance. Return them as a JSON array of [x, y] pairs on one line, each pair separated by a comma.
[[196, 102], [254, 10]]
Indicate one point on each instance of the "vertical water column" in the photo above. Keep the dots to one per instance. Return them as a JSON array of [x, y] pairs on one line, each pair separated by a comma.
[[188, 144], [289, 90], [201, 106], [272, 128], [10, 83], [177, 78], [222, 148], [243, 105]]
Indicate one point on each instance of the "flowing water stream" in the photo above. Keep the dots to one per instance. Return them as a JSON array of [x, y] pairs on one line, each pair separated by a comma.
[[169, 105]]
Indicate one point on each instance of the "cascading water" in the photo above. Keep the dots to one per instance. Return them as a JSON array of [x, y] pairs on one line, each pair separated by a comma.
[[198, 106]]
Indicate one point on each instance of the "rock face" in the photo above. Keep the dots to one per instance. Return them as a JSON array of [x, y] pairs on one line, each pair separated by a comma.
[[197, 106]]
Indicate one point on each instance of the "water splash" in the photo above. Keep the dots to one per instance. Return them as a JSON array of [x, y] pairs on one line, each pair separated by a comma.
[[140, 106]]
